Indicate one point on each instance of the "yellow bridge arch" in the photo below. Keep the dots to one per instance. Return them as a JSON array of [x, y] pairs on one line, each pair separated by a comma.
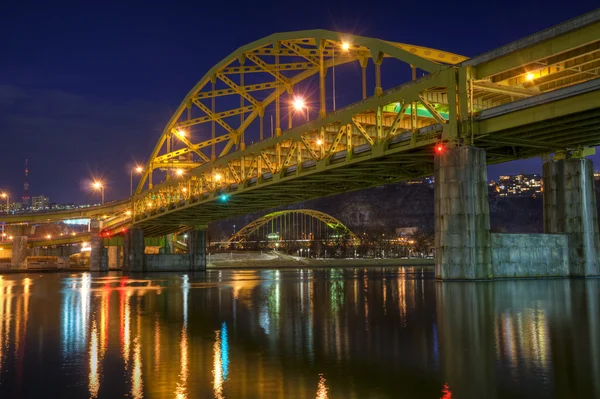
[[259, 74], [328, 220]]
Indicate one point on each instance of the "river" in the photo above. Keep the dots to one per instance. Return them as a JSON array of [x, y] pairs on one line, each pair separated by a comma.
[[297, 333]]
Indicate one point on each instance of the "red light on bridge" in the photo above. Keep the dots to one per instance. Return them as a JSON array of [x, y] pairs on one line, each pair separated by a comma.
[[439, 148]]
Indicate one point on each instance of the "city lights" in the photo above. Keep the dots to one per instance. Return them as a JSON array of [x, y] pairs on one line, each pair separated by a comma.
[[48, 236], [439, 148], [319, 142], [4, 195], [128, 213], [529, 76], [181, 133], [224, 197], [218, 177], [179, 172], [345, 46]]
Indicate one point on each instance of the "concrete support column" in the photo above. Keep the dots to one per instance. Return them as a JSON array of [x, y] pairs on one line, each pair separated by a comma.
[[462, 215], [169, 244], [570, 207], [19, 246], [197, 248], [133, 251], [98, 255]]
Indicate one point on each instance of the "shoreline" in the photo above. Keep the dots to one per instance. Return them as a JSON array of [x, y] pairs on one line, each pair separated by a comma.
[[278, 263]]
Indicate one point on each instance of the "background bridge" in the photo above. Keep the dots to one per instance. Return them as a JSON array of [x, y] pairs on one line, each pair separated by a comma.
[[451, 117]]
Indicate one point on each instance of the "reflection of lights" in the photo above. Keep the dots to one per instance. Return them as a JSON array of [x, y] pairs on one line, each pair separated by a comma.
[[75, 315], [181, 389], [224, 352], [185, 288], [321, 388], [125, 325], [137, 384], [94, 383], [217, 368], [156, 344], [447, 393]]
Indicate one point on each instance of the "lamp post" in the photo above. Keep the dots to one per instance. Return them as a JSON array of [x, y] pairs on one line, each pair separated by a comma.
[[137, 169], [299, 105], [99, 186], [4, 195]]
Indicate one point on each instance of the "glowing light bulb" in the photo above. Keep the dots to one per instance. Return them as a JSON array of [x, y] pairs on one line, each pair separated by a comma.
[[529, 76], [299, 103], [345, 46]]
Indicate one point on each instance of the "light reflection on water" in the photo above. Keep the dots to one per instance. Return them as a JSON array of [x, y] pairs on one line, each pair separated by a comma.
[[322, 333]]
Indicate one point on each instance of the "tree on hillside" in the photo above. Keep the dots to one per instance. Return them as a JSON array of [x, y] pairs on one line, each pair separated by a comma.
[[423, 241]]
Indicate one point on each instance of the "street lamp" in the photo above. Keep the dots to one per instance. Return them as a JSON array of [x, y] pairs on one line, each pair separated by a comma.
[[299, 104], [99, 186], [137, 169], [4, 195]]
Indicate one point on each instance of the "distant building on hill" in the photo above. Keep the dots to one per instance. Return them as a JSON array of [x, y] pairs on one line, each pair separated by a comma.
[[521, 185]]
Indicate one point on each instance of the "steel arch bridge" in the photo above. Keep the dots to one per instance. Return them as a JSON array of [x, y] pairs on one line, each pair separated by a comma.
[[234, 145], [290, 218]]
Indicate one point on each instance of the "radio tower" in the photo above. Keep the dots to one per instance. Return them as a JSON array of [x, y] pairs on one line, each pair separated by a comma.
[[26, 199]]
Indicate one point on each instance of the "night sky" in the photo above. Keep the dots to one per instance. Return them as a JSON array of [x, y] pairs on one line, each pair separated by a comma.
[[86, 88]]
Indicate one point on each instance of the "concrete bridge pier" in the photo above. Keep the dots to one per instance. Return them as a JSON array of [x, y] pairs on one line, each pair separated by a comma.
[[169, 244], [133, 251], [197, 248], [462, 215], [19, 246], [98, 254], [570, 207]]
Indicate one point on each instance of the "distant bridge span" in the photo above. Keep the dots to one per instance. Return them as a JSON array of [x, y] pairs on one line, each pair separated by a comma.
[[332, 223]]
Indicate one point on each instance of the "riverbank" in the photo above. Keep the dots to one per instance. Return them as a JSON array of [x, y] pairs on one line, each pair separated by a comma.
[[260, 260], [273, 260]]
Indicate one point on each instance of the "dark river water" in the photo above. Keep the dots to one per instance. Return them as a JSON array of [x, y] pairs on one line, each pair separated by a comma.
[[320, 333]]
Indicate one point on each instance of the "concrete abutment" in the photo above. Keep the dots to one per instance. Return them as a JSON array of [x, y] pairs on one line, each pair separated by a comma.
[[570, 208], [467, 250]]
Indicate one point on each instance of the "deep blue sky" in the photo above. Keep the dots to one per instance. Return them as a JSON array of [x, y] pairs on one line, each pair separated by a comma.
[[86, 88]]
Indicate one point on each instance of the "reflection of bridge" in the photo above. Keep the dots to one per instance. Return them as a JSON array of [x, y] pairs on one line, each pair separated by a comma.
[[294, 225], [534, 97]]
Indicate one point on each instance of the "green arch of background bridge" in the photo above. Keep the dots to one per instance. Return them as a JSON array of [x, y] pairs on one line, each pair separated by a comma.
[[424, 58], [329, 220]]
